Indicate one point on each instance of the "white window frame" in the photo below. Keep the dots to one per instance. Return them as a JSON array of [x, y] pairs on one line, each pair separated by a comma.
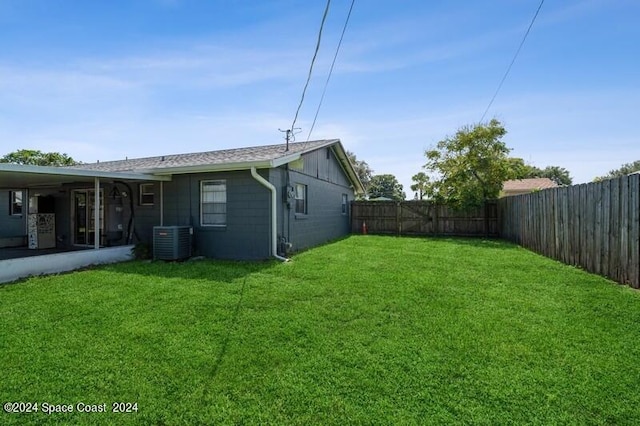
[[221, 186], [143, 190], [345, 203], [301, 199], [13, 202]]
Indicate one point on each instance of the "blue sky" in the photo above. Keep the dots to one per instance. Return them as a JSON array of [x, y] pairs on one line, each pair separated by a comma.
[[108, 80]]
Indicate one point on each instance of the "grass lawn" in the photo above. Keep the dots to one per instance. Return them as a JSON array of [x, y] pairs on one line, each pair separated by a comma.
[[368, 330]]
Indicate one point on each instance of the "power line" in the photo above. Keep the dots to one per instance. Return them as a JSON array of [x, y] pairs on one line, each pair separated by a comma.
[[512, 61], [313, 60], [326, 83]]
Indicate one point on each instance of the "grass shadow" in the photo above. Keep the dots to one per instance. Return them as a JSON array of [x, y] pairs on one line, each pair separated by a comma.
[[490, 242], [204, 269]]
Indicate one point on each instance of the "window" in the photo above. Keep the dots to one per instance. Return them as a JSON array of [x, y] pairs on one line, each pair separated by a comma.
[[345, 199], [213, 203], [15, 202], [301, 198], [146, 194]]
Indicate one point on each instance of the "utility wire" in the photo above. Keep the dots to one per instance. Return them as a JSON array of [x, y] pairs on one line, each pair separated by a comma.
[[313, 60], [326, 83], [512, 61]]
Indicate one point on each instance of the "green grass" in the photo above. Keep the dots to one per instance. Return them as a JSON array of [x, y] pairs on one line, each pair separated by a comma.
[[368, 330]]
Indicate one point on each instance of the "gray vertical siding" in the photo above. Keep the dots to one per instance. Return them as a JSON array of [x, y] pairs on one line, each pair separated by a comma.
[[322, 164]]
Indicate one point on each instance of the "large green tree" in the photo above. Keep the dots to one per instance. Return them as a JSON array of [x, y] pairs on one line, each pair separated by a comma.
[[386, 186], [470, 166], [38, 158], [522, 170], [624, 170], [362, 169]]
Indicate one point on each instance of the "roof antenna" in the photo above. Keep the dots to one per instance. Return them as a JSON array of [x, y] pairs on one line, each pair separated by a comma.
[[290, 136]]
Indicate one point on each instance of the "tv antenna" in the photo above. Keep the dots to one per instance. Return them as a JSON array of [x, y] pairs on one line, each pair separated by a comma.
[[290, 135]]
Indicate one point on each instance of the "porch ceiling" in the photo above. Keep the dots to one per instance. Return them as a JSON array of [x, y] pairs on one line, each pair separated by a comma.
[[18, 176]]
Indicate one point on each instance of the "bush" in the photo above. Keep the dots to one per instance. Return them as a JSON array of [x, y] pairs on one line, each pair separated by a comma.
[[141, 251]]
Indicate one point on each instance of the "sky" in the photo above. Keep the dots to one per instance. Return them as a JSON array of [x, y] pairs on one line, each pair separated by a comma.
[[105, 80]]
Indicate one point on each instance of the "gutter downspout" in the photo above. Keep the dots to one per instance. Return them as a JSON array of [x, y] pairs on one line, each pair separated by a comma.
[[97, 226], [274, 213]]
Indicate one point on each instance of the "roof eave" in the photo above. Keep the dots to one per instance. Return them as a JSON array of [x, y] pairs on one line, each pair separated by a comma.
[[84, 173], [285, 160], [347, 167]]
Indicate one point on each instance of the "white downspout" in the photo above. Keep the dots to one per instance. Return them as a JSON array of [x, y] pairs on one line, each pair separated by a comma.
[[274, 213], [96, 213], [161, 203]]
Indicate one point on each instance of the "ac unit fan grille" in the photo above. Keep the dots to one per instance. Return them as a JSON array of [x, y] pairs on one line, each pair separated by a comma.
[[172, 242]]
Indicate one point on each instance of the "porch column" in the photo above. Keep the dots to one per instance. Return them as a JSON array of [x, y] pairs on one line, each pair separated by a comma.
[[161, 203], [96, 213]]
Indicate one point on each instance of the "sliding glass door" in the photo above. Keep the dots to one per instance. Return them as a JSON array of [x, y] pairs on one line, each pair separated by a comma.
[[83, 216]]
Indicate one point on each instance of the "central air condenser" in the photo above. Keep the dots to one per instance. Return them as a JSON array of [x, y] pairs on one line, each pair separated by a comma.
[[172, 242]]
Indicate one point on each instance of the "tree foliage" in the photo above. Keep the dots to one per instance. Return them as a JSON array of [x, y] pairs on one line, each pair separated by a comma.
[[522, 170], [470, 166], [362, 169], [386, 186], [38, 158], [624, 170], [559, 175], [420, 183]]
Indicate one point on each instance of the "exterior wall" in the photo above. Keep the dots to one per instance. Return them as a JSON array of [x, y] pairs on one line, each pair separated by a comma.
[[11, 226], [111, 234], [63, 218], [326, 183], [247, 232], [323, 165], [145, 216]]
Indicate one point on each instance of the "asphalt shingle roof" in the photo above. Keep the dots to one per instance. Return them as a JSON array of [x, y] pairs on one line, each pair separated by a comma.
[[225, 156], [528, 184]]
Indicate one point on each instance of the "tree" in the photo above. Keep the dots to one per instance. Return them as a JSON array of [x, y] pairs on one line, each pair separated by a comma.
[[522, 170], [386, 186], [38, 158], [471, 165], [362, 169], [624, 170], [559, 175], [421, 181]]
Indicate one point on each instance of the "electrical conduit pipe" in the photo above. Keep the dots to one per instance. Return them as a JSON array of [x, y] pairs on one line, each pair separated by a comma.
[[274, 213]]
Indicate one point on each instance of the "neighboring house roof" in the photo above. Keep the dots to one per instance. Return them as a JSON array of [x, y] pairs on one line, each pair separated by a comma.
[[524, 186], [266, 156]]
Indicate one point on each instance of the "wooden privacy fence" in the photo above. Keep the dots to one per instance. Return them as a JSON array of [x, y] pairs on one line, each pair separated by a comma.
[[422, 218], [595, 226]]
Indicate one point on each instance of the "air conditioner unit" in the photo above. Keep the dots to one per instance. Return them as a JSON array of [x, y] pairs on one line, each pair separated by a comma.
[[172, 242]]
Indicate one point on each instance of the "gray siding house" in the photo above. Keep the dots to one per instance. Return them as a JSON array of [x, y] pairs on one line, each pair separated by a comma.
[[245, 203]]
